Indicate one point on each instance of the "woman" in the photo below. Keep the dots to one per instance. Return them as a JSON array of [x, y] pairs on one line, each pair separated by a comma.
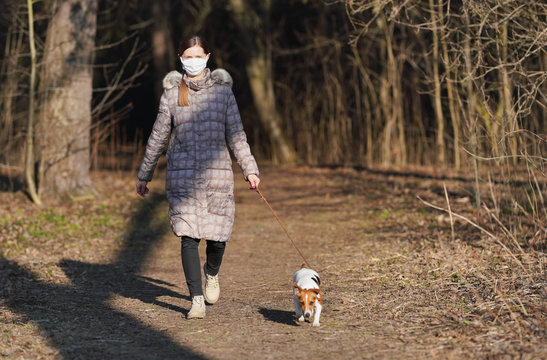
[[199, 113]]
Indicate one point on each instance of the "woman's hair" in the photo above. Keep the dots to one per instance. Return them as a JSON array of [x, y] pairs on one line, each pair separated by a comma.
[[186, 43], [191, 41]]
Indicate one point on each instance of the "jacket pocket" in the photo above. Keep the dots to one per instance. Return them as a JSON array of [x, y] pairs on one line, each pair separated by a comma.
[[220, 203]]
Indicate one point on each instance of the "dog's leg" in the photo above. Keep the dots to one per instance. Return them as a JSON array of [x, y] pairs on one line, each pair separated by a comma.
[[317, 314], [298, 310]]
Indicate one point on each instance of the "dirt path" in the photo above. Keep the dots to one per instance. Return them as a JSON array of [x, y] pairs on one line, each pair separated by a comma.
[[395, 284], [254, 318]]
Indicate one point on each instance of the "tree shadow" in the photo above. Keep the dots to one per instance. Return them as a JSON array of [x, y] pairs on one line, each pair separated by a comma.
[[11, 183], [422, 175], [79, 320], [279, 316]]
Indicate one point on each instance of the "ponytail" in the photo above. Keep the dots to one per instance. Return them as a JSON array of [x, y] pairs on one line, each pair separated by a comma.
[[183, 94]]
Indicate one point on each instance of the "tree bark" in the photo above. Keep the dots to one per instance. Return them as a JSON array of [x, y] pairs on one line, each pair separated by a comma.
[[10, 73], [162, 43], [439, 141], [65, 118], [260, 73], [391, 98], [510, 124], [454, 112], [470, 107], [29, 156]]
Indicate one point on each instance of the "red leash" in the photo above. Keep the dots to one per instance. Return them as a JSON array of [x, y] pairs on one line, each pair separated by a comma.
[[286, 232]]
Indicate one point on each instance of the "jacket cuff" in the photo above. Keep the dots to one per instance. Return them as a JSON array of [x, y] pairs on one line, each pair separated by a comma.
[[144, 176], [252, 171]]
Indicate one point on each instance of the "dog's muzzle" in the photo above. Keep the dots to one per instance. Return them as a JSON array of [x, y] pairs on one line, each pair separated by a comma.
[[307, 315]]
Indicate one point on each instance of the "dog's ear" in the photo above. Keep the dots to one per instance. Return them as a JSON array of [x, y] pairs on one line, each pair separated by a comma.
[[316, 291], [297, 289]]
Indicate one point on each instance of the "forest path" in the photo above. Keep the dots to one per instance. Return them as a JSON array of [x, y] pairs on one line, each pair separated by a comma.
[[254, 317], [103, 279]]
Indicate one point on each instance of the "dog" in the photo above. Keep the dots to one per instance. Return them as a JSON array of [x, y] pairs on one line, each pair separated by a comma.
[[307, 295]]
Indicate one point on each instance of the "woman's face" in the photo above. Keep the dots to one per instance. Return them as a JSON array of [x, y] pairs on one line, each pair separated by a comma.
[[195, 51]]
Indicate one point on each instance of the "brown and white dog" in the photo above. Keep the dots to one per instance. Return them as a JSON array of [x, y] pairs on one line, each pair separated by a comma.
[[307, 295]]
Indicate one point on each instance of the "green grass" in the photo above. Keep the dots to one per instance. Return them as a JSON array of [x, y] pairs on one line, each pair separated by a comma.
[[64, 228], [386, 214]]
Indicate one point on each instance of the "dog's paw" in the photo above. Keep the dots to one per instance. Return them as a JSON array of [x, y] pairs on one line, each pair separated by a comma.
[[301, 318], [315, 324]]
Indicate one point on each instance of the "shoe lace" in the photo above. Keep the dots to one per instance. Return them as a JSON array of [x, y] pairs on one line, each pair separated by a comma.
[[212, 280], [198, 300]]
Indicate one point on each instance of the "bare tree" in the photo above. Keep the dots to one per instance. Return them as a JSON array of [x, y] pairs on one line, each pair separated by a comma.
[[260, 72], [163, 51], [15, 47], [66, 84], [29, 156], [489, 56], [23, 62], [455, 115], [437, 102]]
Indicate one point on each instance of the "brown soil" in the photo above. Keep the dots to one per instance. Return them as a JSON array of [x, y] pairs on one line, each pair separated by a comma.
[[102, 279]]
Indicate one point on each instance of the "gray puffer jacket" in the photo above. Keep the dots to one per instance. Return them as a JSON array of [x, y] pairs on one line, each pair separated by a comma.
[[199, 181]]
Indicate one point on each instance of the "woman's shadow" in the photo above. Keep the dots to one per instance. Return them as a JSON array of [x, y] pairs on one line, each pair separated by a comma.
[[79, 320], [120, 277]]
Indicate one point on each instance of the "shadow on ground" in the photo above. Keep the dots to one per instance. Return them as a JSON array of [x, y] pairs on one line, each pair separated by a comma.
[[11, 183], [279, 316], [78, 320]]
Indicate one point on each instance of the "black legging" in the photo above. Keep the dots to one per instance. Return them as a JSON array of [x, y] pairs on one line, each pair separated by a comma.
[[191, 265]]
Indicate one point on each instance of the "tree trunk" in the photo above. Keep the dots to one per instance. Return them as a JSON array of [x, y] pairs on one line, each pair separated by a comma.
[[29, 156], [66, 82], [454, 112], [471, 115], [10, 81], [260, 73], [441, 156], [510, 124], [399, 111], [163, 51], [391, 99]]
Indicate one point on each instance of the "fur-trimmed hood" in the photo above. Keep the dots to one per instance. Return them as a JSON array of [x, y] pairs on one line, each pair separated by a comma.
[[220, 76]]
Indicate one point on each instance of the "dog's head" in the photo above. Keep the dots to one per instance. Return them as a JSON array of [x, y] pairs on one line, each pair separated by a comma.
[[307, 299]]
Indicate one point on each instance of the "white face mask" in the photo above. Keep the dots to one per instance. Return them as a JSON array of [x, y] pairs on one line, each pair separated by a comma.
[[194, 66]]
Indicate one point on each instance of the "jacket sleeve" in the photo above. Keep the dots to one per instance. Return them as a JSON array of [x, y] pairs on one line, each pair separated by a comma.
[[157, 141], [237, 139]]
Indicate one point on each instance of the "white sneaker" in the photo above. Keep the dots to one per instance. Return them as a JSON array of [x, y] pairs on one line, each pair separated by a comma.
[[212, 288], [197, 311]]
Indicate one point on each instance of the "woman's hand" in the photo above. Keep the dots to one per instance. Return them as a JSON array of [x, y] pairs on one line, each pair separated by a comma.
[[253, 181], [142, 189]]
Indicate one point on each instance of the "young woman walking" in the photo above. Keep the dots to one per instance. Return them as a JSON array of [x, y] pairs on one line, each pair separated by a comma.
[[198, 112]]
